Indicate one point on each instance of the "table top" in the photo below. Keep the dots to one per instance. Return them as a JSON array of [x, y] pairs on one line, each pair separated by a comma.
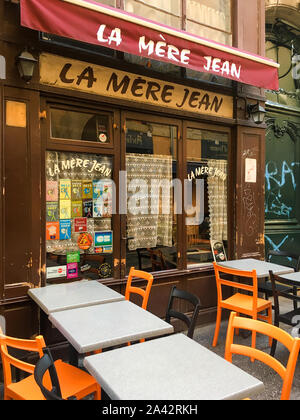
[[294, 277], [262, 267], [101, 326], [170, 368], [60, 297]]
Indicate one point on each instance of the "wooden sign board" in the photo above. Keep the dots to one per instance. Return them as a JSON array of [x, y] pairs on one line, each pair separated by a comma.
[[66, 73]]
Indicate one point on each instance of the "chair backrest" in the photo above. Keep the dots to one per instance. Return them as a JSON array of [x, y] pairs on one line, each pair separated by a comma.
[[157, 259], [46, 365], [172, 313], [222, 280], [291, 343], [8, 360], [142, 292], [288, 293], [295, 263]]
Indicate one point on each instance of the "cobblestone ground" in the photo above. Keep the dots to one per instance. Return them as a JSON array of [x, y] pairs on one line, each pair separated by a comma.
[[272, 381]]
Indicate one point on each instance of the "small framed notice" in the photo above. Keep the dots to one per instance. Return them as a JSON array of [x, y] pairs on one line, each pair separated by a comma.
[[218, 251], [250, 170]]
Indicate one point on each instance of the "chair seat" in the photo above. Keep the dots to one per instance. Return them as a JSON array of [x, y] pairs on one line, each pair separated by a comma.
[[287, 317], [73, 381], [267, 287], [240, 301]]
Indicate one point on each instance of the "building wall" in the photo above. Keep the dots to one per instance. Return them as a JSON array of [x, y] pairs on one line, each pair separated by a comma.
[[282, 229]]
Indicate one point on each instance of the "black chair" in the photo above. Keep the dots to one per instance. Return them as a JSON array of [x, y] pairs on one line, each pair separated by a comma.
[[285, 288], [44, 365], [172, 313], [266, 286]]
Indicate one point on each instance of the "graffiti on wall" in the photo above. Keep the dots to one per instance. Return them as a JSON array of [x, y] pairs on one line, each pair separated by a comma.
[[279, 176]]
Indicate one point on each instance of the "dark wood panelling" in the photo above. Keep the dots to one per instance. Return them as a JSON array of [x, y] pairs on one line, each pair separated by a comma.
[[249, 198], [21, 319]]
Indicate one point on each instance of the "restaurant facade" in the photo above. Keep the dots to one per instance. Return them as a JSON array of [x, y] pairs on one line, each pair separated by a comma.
[[121, 150]]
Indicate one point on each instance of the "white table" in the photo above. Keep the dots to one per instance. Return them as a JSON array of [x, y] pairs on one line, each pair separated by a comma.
[[101, 326], [262, 267], [77, 294], [293, 277], [170, 368]]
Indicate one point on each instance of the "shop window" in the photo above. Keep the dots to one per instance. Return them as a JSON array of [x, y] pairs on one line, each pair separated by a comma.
[[74, 125], [210, 19], [112, 3], [151, 153], [79, 208], [207, 160], [162, 11]]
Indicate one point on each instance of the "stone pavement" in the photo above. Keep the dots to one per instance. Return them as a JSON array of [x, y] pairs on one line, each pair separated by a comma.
[[272, 381]]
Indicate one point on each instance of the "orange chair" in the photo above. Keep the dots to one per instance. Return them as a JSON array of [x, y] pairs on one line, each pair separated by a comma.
[[246, 304], [132, 289], [73, 381], [291, 343]]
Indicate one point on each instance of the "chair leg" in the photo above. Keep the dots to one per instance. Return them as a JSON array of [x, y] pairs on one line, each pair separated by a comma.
[[237, 330], [97, 395], [253, 341], [218, 323], [270, 319], [273, 348]]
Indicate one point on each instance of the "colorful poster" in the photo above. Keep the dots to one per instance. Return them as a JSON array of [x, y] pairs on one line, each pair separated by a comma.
[[97, 189], [56, 272], [64, 229], [80, 224], [65, 189], [51, 191], [52, 231], [98, 208], [103, 241], [52, 211], [102, 196], [65, 209], [76, 209], [85, 241], [72, 270], [87, 208], [87, 189], [76, 189], [73, 257]]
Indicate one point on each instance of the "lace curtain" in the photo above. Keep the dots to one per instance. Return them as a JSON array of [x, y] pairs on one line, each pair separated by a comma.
[[149, 210], [217, 199]]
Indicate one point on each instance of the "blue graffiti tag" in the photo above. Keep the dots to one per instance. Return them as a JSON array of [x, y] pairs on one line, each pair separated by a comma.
[[277, 247], [275, 181]]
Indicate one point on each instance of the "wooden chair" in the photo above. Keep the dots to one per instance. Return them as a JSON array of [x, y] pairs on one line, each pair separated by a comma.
[[183, 295], [266, 286], [73, 381], [247, 304], [292, 344], [284, 288]]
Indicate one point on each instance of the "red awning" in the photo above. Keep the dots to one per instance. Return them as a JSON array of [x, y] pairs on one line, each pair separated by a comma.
[[95, 23]]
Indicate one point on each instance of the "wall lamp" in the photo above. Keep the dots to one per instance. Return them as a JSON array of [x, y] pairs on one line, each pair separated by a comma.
[[26, 64], [257, 113]]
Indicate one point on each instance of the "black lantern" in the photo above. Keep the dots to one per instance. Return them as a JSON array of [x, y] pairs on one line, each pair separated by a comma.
[[26, 63], [257, 113]]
